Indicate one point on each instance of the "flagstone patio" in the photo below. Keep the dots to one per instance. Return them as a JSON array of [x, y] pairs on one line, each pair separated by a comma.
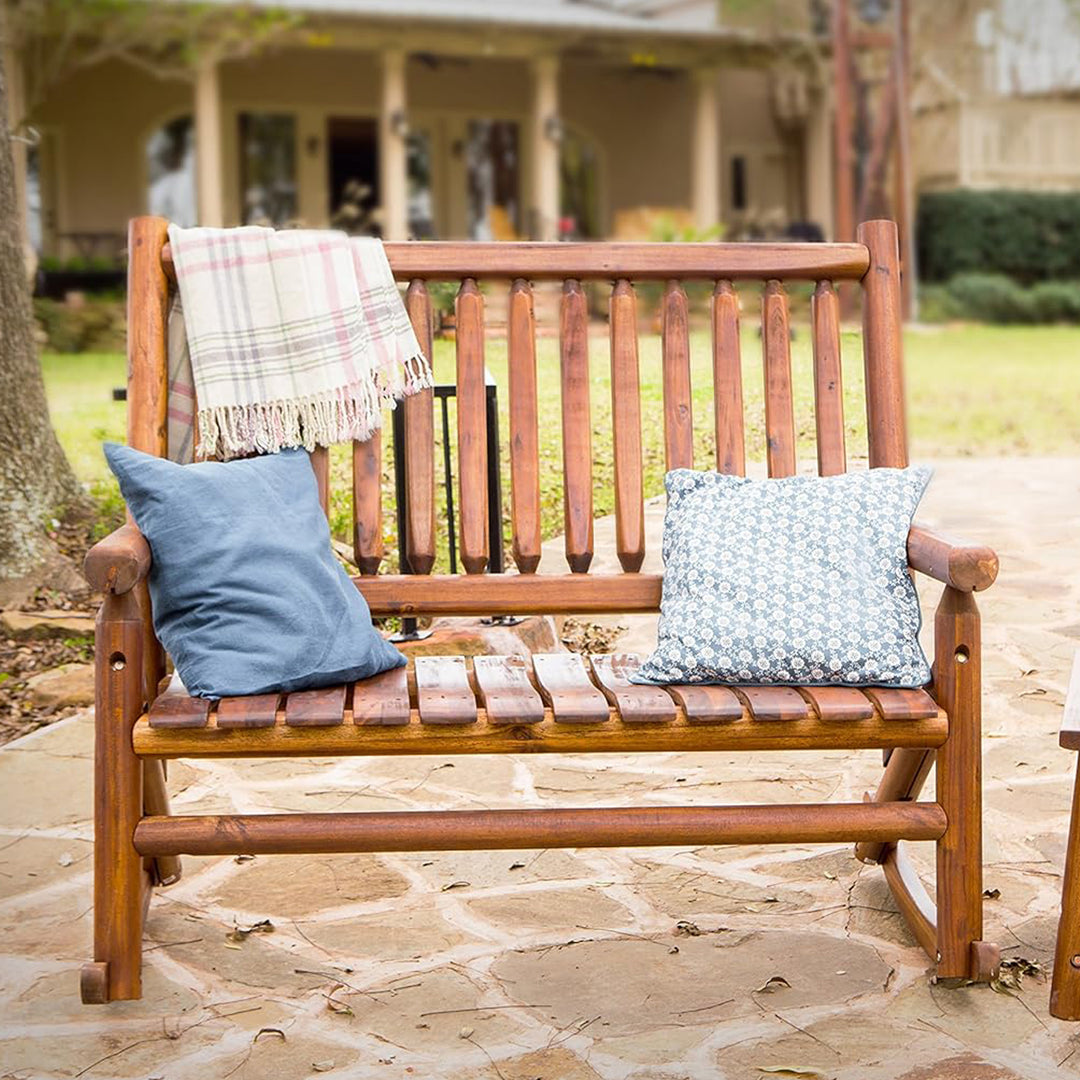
[[706, 963]]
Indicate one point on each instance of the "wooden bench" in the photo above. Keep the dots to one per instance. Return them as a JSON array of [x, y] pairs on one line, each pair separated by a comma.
[[1065, 988], [556, 703]]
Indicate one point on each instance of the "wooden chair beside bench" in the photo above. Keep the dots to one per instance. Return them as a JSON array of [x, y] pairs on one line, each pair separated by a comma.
[[555, 703]]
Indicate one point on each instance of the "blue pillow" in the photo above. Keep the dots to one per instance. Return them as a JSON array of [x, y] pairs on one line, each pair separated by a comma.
[[248, 597]]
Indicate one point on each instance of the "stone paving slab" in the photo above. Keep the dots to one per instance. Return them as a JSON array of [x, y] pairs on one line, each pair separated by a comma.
[[705, 964]]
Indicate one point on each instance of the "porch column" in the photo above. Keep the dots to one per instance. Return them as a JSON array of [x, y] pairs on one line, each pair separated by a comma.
[[818, 163], [705, 150], [545, 148], [209, 163], [13, 72], [393, 160]]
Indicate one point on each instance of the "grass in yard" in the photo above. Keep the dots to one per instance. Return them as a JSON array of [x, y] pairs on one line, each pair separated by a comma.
[[972, 390]]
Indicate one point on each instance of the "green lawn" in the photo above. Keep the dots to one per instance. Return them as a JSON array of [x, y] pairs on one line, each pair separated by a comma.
[[972, 390]]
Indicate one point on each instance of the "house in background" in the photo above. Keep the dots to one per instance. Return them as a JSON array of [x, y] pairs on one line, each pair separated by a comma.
[[996, 95], [491, 119]]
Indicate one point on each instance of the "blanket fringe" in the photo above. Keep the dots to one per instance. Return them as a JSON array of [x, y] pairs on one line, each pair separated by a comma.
[[351, 413]]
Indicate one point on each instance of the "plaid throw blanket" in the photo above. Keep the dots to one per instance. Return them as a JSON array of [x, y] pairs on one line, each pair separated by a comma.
[[292, 338]]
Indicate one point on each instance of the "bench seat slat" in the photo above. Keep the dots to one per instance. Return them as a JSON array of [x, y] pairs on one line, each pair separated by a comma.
[[839, 702], [567, 689], [175, 708], [774, 702], [707, 704], [382, 700], [444, 695], [315, 708], [505, 690], [902, 704], [636, 704], [253, 711]]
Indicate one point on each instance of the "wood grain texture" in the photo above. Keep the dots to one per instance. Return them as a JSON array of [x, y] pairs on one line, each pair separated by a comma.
[[494, 594], [246, 713], [773, 702], [568, 691], [678, 400], [779, 410], [166, 869], [483, 830], [626, 428], [586, 727], [828, 380], [957, 687], [894, 704], [505, 690], [524, 433], [904, 776], [964, 566], [119, 562], [635, 704], [882, 357], [707, 704], [443, 692], [118, 797], [649, 261], [727, 381], [368, 545], [1065, 989], [315, 708], [419, 420], [576, 427], [839, 702], [178, 709], [471, 429], [382, 700]]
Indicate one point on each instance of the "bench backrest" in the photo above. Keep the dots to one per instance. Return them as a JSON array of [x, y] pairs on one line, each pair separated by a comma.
[[872, 262]]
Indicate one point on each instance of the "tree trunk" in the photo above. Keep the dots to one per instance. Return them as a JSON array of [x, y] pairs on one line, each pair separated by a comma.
[[36, 481]]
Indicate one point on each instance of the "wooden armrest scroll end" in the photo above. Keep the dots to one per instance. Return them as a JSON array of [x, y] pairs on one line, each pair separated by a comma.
[[119, 562], [963, 566]]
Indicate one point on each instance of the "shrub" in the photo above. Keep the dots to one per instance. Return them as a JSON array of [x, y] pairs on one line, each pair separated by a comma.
[[991, 298], [90, 324], [1056, 301], [1028, 235]]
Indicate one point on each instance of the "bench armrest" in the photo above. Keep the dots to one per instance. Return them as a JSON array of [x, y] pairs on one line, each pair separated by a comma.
[[966, 567], [119, 562], [1070, 722]]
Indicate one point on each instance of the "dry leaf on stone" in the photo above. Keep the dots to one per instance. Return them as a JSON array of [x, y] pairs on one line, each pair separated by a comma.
[[241, 933], [991, 894], [269, 1031], [338, 1007], [323, 1066], [1011, 974], [243, 858], [456, 885], [787, 1070], [684, 928], [466, 1033], [772, 984]]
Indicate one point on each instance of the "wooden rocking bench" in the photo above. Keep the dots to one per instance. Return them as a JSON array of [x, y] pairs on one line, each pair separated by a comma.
[[1065, 988], [554, 703]]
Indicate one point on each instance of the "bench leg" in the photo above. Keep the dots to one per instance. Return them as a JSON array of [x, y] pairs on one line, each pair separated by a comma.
[[1065, 990], [961, 952], [119, 877], [164, 869]]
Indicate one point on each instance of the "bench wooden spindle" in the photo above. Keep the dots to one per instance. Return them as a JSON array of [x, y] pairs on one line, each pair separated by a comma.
[[368, 546], [779, 410], [678, 401], [727, 381], [626, 428], [576, 426], [524, 433], [419, 419], [472, 429], [828, 380]]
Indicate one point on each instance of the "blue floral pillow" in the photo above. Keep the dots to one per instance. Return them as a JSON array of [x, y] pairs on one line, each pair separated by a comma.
[[801, 580]]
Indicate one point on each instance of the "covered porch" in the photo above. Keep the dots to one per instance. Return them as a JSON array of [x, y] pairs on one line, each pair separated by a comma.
[[444, 131]]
